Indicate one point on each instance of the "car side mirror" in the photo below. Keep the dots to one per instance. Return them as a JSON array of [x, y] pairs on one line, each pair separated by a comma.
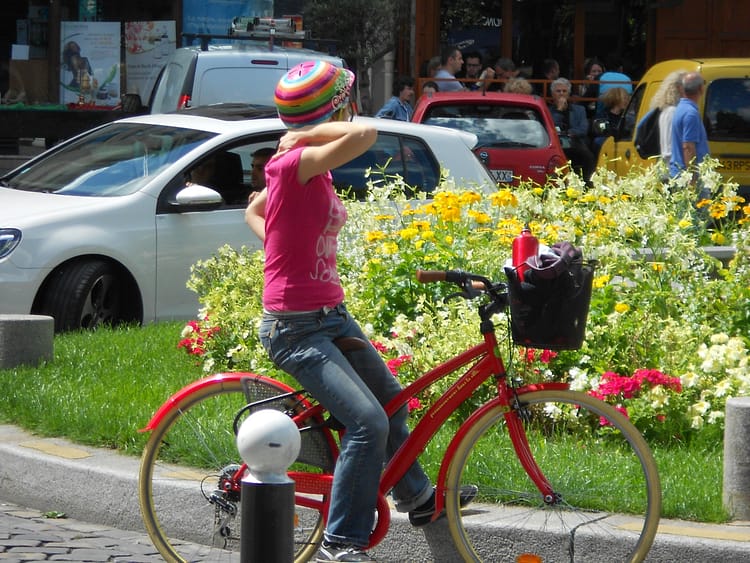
[[198, 195]]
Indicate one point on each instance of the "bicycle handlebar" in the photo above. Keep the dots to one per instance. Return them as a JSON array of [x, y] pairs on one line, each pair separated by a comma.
[[472, 285], [459, 277]]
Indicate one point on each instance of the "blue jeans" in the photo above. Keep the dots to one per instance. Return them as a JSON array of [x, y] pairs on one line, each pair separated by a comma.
[[302, 345]]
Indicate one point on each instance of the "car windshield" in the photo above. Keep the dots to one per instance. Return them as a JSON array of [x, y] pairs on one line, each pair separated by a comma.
[[113, 161], [496, 126]]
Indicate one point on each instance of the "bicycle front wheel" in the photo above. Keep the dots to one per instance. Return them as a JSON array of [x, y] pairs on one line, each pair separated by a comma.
[[607, 498], [187, 486]]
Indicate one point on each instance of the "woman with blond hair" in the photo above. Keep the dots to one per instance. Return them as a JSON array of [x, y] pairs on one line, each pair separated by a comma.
[[665, 100]]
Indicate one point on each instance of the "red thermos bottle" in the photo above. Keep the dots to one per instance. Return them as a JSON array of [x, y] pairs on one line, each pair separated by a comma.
[[525, 245]]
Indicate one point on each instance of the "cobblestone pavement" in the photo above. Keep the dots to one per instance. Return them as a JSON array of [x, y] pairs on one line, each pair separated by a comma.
[[27, 535]]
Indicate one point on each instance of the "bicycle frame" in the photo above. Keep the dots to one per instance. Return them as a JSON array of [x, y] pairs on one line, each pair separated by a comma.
[[481, 363]]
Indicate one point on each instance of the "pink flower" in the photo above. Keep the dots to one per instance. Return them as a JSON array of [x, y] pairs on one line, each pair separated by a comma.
[[414, 404], [546, 356], [395, 363]]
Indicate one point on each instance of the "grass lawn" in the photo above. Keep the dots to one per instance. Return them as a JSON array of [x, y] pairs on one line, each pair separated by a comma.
[[103, 386]]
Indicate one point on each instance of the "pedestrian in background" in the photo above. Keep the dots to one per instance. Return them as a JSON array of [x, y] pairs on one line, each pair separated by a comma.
[[689, 138], [399, 105]]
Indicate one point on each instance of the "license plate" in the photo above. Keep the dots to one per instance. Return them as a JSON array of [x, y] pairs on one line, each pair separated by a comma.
[[735, 164], [503, 176]]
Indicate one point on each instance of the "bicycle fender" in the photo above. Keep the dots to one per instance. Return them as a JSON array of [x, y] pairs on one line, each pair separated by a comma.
[[218, 378]]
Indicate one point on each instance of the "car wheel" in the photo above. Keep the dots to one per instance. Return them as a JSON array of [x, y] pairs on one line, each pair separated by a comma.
[[84, 295]]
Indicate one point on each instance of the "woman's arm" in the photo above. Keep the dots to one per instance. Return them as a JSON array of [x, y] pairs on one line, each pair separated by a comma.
[[255, 214], [328, 146]]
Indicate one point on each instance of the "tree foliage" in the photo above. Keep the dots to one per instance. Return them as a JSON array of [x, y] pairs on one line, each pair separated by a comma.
[[364, 29]]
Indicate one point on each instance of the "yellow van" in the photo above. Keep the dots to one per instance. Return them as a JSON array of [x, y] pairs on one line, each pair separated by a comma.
[[726, 114]]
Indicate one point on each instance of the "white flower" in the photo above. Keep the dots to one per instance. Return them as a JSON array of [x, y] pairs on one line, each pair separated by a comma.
[[719, 338], [722, 387], [715, 416]]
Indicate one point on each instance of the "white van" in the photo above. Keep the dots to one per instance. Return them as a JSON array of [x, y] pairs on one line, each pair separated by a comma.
[[212, 74]]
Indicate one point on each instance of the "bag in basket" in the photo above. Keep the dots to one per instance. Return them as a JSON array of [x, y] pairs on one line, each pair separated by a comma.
[[548, 309]]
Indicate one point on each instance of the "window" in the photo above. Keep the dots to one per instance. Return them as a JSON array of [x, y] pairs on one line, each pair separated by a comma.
[[113, 161], [727, 110], [496, 126], [390, 156], [626, 128]]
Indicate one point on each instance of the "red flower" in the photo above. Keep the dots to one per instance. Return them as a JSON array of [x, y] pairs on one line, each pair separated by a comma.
[[395, 363], [414, 404]]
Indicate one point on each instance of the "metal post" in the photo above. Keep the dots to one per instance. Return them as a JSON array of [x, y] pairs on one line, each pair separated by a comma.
[[268, 441]]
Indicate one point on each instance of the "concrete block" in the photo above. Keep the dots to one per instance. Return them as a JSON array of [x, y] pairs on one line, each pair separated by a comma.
[[736, 492], [25, 339]]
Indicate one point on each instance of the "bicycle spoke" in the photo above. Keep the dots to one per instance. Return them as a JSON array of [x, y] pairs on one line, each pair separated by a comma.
[[191, 506], [606, 487]]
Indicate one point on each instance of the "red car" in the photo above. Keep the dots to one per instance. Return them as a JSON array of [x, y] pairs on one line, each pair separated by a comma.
[[517, 137]]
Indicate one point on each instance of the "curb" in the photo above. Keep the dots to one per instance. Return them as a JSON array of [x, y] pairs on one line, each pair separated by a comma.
[[97, 485]]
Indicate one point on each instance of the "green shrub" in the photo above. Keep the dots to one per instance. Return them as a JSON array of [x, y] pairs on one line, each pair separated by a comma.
[[660, 302]]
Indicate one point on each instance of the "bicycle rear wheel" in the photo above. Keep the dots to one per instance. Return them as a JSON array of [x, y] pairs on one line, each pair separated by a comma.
[[190, 459], [607, 499]]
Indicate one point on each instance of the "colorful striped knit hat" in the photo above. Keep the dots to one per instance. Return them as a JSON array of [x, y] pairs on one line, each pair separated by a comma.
[[311, 93]]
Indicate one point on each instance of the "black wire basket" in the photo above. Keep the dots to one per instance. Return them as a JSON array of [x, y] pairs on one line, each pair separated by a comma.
[[550, 314]]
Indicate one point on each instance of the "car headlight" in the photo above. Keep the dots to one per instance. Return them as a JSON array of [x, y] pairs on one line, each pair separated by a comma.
[[9, 239]]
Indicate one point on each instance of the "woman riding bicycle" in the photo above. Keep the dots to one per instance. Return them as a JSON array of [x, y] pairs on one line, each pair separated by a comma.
[[298, 216]]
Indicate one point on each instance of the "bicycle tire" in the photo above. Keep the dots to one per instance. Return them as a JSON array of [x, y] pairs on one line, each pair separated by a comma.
[[184, 459], [597, 517]]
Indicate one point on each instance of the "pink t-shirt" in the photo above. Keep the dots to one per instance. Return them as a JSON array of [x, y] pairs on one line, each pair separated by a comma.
[[302, 224]]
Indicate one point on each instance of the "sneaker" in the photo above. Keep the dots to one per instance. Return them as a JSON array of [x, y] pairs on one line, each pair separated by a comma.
[[342, 552], [422, 515]]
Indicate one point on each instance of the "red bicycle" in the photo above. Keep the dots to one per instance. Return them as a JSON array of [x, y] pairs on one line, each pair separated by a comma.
[[557, 470]]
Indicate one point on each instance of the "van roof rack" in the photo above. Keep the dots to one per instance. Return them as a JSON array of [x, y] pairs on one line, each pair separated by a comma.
[[266, 28], [254, 29]]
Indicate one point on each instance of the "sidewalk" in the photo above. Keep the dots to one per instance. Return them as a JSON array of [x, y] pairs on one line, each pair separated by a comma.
[[94, 485]]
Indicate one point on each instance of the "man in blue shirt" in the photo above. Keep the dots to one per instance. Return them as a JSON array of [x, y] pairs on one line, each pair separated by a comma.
[[399, 106], [451, 62], [689, 139]]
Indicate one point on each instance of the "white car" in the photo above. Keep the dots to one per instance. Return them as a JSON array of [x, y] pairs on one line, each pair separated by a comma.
[[104, 227]]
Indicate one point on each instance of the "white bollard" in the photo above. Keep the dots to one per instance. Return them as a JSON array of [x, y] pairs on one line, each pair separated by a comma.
[[269, 442], [736, 494]]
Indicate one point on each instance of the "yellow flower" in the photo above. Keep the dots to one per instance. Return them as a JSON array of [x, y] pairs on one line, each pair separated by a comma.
[[601, 281], [622, 308], [450, 213], [503, 198], [572, 193], [419, 244], [421, 225], [467, 198], [448, 239], [374, 236], [480, 217], [657, 266], [408, 233], [384, 217], [389, 248], [428, 235], [718, 238], [684, 224]]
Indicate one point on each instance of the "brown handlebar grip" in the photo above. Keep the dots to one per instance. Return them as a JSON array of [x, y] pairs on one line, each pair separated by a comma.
[[428, 276]]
